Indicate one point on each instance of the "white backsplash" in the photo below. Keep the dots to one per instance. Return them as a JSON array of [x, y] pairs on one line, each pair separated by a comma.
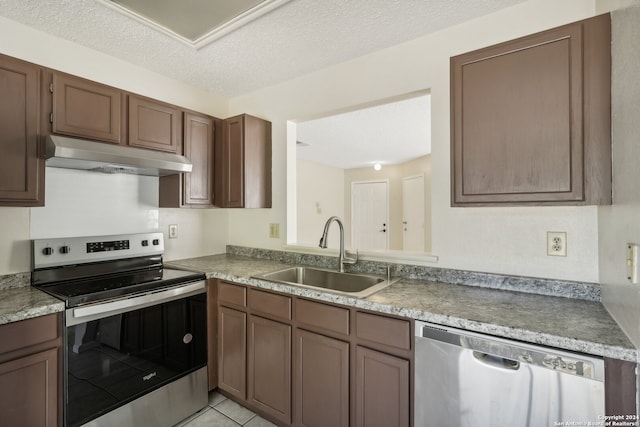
[[83, 203]]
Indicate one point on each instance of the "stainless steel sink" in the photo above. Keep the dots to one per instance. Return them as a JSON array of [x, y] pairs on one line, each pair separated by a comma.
[[352, 284]]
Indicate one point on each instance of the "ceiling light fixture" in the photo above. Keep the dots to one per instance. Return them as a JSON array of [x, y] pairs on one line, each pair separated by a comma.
[[377, 166]]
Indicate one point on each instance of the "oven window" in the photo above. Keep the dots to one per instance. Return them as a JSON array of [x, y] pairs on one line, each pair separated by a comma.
[[114, 360]]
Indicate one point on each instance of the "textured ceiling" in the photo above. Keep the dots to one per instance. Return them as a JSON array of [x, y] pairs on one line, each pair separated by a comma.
[[297, 38], [387, 134]]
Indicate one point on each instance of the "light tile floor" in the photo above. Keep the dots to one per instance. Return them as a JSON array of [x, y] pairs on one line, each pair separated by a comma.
[[223, 412]]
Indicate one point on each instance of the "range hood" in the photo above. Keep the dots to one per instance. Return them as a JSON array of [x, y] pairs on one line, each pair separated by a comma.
[[74, 153]]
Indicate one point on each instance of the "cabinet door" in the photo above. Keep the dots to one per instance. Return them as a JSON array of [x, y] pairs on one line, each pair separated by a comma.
[[321, 380], [620, 381], [198, 148], [233, 163], [86, 109], [29, 390], [154, 125], [269, 367], [530, 119], [382, 389], [21, 169], [245, 164], [232, 352], [257, 162]]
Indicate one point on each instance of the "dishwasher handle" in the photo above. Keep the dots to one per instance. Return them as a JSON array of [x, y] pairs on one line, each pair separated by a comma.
[[496, 361]]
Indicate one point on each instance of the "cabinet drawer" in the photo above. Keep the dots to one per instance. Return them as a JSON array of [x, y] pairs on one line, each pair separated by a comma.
[[232, 294], [28, 332], [270, 304], [384, 330], [323, 316]]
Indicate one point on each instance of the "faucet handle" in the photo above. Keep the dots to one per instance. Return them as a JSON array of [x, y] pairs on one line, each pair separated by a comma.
[[350, 261]]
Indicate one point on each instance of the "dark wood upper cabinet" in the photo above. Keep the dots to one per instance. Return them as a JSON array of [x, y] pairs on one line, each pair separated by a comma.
[[87, 109], [244, 163], [21, 166], [154, 125], [194, 189], [530, 119], [198, 148]]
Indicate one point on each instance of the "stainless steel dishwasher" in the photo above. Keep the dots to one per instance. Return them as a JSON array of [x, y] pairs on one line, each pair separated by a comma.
[[475, 380]]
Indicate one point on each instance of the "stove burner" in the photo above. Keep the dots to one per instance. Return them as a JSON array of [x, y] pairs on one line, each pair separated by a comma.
[[103, 288]]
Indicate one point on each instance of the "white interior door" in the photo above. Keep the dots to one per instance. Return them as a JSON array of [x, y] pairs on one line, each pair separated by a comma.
[[413, 213], [370, 215]]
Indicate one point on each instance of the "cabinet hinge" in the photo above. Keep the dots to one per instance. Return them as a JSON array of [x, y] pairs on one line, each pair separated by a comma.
[[51, 87], [50, 117]]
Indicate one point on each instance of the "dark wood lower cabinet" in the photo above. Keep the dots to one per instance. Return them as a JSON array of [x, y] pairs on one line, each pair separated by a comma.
[[620, 387], [382, 389], [322, 380], [300, 362], [31, 372], [29, 385], [232, 352], [269, 367]]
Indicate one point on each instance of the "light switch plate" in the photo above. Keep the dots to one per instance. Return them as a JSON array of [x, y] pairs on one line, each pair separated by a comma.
[[274, 230], [633, 274]]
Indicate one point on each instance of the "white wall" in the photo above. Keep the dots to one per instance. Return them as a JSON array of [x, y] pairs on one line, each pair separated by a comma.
[[619, 224], [105, 204], [84, 203], [320, 195], [501, 240]]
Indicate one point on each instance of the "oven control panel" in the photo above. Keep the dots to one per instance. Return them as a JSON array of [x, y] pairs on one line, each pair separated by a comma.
[[115, 245], [76, 250]]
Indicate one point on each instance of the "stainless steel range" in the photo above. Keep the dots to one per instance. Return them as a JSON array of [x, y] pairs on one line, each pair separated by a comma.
[[135, 341]]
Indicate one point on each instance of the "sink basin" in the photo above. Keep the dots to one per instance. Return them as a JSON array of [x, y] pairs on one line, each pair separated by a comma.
[[352, 284]]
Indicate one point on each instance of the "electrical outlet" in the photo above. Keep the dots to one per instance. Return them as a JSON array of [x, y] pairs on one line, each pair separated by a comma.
[[274, 230], [173, 231], [556, 243]]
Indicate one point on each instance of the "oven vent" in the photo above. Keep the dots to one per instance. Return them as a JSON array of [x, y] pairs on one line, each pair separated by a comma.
[[74, 153]]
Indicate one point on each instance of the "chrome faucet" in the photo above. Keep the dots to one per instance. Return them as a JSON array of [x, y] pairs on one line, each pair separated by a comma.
[[342, 256]]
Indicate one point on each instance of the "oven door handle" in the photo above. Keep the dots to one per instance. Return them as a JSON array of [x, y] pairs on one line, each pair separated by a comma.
[[97, 311]]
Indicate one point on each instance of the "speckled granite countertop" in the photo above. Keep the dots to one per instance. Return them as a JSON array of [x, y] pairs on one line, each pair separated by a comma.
[[19, 301], [570, 324]]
